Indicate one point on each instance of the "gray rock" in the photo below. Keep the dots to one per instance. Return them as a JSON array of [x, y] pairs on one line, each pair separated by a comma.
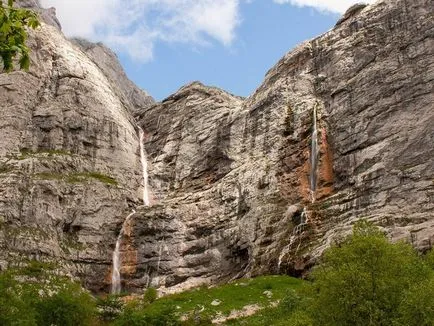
[[229, 176], [69, 161], [48, 15], [134, 97]]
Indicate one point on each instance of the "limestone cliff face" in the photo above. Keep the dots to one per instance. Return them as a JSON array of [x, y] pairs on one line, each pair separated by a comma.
[[229, 177], [69, 159]]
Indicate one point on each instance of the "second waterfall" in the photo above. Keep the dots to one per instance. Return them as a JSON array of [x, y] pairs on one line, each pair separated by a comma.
[[144, 161], [116, 259], [314, 155]]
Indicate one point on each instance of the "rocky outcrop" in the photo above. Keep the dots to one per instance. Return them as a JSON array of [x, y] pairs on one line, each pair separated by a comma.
[[229, 177], [46, 15], [131, 96], [69, 161]]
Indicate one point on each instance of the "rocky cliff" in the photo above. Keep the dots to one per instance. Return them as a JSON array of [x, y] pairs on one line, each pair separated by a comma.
[[69, 157], [236, 189]]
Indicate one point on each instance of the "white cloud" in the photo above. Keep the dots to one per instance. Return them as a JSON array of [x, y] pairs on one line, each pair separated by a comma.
[[338, 6], [133, 26]]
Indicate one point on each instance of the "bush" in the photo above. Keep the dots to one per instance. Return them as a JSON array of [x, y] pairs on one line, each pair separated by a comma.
[[140, 317], [417, 306], [109, 308], [290, 302], [33, 296], [197, 318], [364, 280], [69, 306], [14, 309], [149, 296], [300, 318]]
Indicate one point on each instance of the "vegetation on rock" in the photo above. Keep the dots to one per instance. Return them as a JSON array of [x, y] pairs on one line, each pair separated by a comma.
[[363, 280], [36, 296]]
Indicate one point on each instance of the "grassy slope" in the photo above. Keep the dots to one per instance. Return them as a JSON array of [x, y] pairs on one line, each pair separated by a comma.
[[233, 296]]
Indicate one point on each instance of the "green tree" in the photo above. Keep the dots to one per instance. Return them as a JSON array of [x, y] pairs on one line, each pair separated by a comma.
[[14, 308], [34, 296], [67, 305], [417, 306], [13, 34], [364, 280]]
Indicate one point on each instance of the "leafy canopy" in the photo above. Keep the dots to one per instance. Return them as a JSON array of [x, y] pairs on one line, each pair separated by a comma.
[[35, 296], [367, 281], [13, 35]]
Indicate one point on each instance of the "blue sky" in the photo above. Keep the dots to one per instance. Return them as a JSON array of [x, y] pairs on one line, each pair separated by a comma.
[[164, 44]]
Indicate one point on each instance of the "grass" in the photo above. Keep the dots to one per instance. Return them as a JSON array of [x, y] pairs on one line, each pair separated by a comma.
[[232, 296], [5, 168], [25, 231], [268, 316], [77, 177], [26, 153]]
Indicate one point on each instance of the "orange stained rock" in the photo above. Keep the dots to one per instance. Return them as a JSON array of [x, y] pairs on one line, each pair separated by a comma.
[[128, 256], [325, 172], [303, 177]]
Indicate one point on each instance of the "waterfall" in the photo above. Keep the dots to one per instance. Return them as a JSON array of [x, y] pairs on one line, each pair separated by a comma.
[[284, 252], [303, 222], [314, 156], [116, 260], [304, 218], [144, 161], [156, 280], [116, 265]]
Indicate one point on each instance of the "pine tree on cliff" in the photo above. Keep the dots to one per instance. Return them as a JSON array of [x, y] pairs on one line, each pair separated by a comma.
[[13, 35]]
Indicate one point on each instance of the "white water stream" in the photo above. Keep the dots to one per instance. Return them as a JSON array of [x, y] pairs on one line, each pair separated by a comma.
[[144, 161], [304, 218], [116, 267], [116, 260], [314, 156]]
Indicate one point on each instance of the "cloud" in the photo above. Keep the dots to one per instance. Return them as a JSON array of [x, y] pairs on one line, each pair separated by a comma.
[[134, 26], [337, 6]]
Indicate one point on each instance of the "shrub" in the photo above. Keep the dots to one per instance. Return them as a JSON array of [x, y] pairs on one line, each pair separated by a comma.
[[34, 296], [14, 309], [417, 306], [363, 280], [69, 306], [299, 318], [109, 308], [140, 317], [290, 302], [197, 318], [149, 296]]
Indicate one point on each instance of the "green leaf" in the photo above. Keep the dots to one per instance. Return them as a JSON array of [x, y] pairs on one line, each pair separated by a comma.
[[25, 62], [13, 35]]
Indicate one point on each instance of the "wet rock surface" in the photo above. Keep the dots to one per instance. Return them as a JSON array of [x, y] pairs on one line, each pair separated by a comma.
[[229, 176]]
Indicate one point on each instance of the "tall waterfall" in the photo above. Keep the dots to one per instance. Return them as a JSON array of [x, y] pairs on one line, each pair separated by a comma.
[[144, 161], [116, 267], [116, 260], [304, 217], [314, 156]]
